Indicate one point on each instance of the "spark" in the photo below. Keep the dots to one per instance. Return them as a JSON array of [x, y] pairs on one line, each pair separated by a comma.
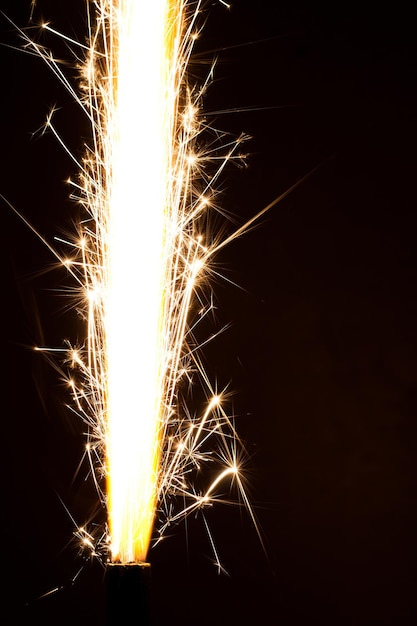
[[141, 261]]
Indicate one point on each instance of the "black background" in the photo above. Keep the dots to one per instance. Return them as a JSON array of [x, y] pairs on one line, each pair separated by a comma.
[[321, 352]]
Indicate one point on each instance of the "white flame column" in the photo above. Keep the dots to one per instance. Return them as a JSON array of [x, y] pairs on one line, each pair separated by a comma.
[[139, 140]]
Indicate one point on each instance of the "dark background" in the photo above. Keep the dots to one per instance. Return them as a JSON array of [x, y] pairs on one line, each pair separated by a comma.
[[322, 348]]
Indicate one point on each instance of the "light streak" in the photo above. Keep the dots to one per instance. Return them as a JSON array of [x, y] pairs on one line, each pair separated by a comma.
[[140, 261], [138, 253]]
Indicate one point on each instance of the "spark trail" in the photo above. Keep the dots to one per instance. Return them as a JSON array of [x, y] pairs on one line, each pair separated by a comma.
[[141, 259]]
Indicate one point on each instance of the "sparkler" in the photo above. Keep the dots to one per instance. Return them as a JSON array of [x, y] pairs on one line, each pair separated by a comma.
[[140, 260]]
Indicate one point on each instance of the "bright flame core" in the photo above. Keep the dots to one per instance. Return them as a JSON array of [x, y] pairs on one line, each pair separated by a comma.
[[137, 257]]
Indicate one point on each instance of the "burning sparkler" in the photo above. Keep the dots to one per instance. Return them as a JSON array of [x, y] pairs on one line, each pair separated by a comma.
[[140, 259]]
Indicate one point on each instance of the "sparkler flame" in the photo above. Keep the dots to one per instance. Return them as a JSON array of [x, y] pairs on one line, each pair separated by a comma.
[[141, 263], [139, 260], [139, 249]]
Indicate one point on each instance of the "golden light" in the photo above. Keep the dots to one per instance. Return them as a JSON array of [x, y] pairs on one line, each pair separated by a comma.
[[141, 251], [137, 254]]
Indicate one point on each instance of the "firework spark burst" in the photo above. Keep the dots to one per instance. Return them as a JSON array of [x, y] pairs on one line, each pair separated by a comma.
[[141, 262]]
